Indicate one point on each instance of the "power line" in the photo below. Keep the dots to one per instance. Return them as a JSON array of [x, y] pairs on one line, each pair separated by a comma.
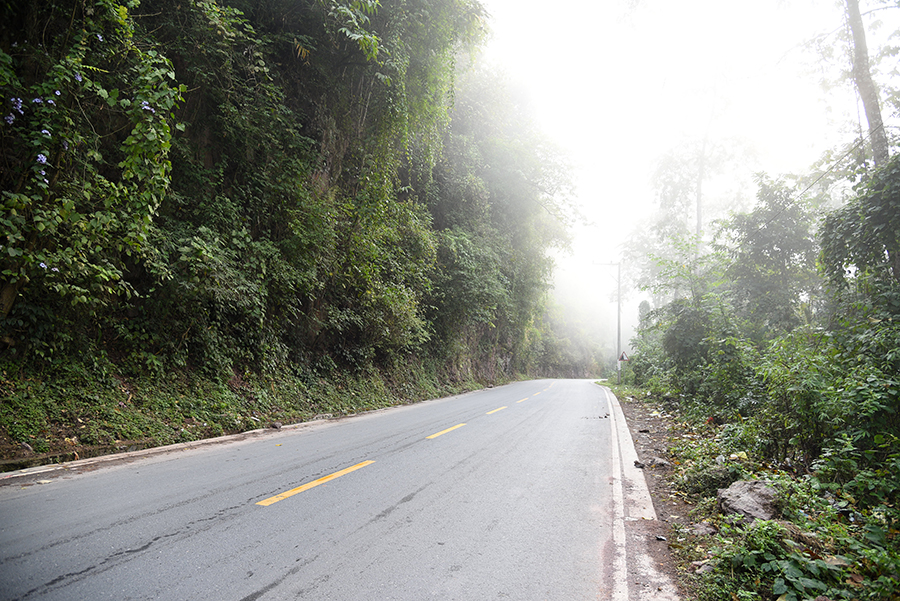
[[777, 214]]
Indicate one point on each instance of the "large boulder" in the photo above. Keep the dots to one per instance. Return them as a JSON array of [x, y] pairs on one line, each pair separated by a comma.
[[706, 480], [750, 499]]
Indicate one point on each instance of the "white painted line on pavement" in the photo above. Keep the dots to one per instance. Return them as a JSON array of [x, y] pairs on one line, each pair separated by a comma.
[[620, 562], [631, 502], [638, 503]]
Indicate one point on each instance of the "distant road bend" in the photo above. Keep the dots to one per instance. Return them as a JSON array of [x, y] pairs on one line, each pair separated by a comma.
[[525, 491]]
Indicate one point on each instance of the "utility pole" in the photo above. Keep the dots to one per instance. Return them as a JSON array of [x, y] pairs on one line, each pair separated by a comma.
[[618, 319]]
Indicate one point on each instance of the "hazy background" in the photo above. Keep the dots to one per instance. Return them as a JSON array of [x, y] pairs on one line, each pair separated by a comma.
[[618, 83]]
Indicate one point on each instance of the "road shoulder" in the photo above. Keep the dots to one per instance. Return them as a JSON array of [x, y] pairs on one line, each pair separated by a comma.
[[652, 431]]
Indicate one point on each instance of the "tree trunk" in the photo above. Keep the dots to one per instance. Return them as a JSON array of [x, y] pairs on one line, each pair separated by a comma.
[[894, 258], [865, 85], [701, 173], [8, 294]]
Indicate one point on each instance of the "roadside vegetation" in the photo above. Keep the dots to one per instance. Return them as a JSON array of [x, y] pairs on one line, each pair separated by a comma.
[[220, 214], [778, 346], [772, 336]]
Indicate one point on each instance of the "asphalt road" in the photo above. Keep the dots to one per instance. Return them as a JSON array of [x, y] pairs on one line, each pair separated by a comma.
[[505, 493]]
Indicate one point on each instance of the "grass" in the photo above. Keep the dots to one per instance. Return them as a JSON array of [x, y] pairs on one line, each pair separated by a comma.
[[823, 543], [73, 410]]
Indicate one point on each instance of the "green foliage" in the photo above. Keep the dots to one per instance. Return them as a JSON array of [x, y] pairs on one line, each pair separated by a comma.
[[200, 192], [765, 558], [810, 386], [861, 240], [684, 340], [287, 230], [350, 20], [499, 201], [91, 409], [471, 287], [824, 542], [84, 149], [772, 270]]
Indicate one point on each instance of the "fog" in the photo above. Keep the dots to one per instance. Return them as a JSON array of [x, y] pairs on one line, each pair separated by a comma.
[[617, 84]]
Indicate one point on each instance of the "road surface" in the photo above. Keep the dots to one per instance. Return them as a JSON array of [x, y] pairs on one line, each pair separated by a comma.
[[524, 491]]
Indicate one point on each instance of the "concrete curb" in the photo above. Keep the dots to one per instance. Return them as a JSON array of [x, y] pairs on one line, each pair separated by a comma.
[[632, 568], [52, 469]]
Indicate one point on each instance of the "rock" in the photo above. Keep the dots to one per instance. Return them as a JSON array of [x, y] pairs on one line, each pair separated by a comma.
[[702, 567], [752, 499], [276, 425], [638, 464], [703, 529], [707, 481], [658, 462], [27, 447]]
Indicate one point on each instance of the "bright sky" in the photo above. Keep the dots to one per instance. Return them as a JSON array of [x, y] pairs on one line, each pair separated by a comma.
[[615, 88]]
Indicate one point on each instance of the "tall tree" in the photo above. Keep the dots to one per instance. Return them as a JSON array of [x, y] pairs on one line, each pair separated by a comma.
[[862, 76], [500, 200], [772, 269]]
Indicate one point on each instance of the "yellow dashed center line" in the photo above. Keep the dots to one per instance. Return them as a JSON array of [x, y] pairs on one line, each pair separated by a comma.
[[313, 484], [445, 431], [343, 472]]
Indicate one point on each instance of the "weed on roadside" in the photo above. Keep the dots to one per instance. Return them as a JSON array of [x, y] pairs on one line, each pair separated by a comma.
[[822, 544]]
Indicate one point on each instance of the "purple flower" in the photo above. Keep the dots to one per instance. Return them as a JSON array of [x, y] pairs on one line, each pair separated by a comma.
[[46, 133], [43, 265], [17, 104], [37, 101], [56, 92], [65, 145], [43, 172], [54, 269], [50, 101], [42, 158], [78, 77], [9, 119], [99, 37]]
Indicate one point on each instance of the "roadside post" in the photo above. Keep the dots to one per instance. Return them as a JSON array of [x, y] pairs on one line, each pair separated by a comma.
[[619, 352]]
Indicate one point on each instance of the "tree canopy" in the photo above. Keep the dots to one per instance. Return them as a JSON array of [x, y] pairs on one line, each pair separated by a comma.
[[224, 186]]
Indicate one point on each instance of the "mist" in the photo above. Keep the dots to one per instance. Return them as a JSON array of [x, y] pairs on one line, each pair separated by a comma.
[[622, 85]]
